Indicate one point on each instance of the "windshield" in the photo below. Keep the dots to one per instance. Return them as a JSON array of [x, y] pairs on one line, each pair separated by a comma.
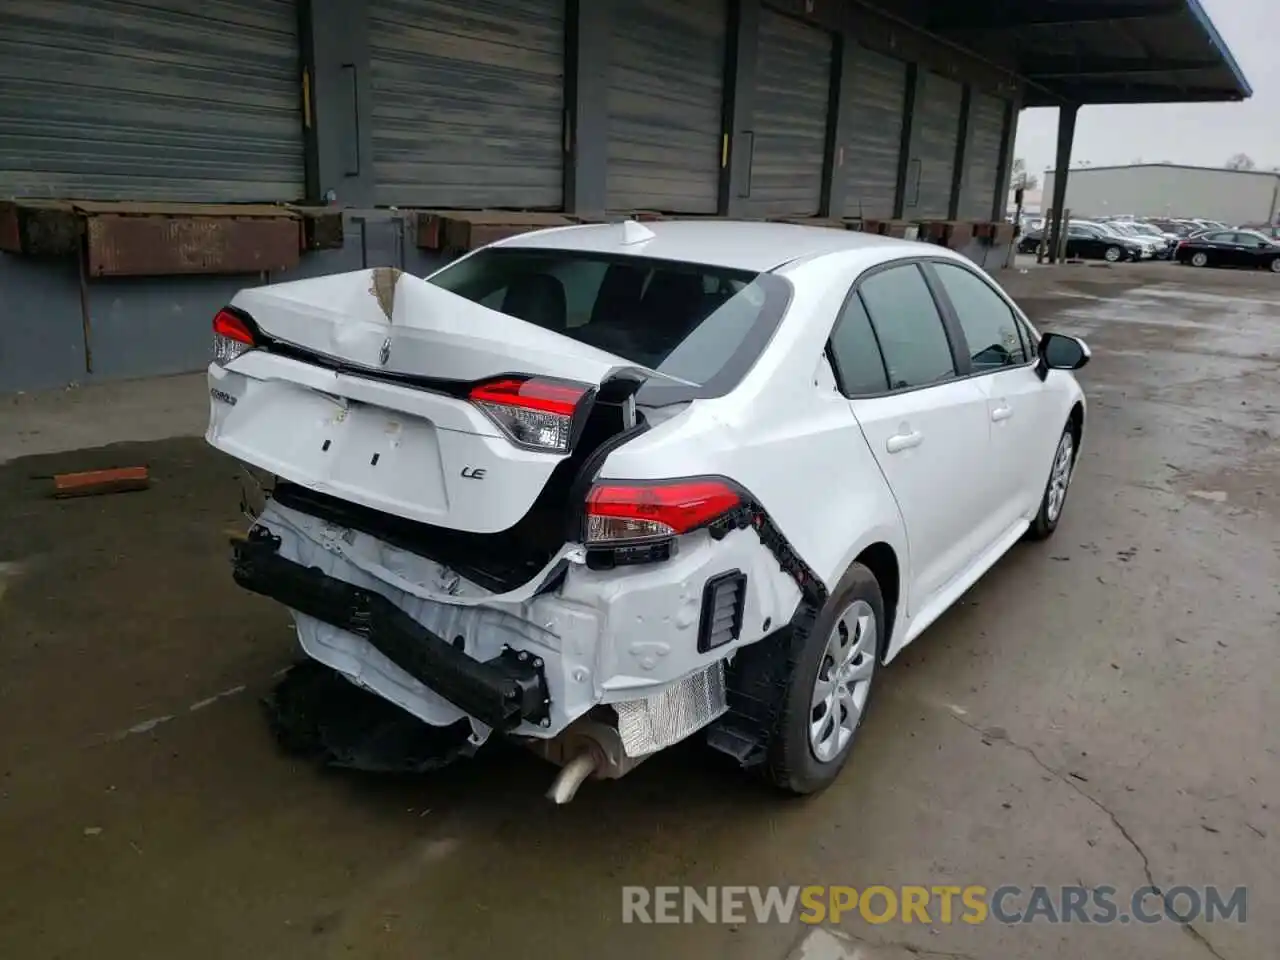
[[703, 326]]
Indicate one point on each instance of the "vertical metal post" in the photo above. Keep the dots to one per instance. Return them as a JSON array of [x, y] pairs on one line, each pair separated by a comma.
[[589, 24], [833, 170], [1004, 173], [1062, 164], [744, 40], [964, 143], [904, 153]]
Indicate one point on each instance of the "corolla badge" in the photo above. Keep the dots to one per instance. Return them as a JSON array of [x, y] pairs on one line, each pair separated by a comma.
[[384, 354]]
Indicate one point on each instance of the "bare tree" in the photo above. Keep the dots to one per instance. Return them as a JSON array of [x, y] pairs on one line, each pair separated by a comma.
[[1021, 179], [1240, 161]]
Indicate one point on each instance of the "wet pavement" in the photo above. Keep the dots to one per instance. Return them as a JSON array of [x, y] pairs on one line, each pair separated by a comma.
[[1102, 709]]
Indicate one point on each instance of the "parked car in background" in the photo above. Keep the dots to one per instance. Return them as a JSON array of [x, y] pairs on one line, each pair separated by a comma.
[[1147, 229], [1230, 248], [1160, 248], [1087, 240], [1267, 230]]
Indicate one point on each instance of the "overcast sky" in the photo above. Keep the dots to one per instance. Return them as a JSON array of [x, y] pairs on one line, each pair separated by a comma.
[[1204, 134]]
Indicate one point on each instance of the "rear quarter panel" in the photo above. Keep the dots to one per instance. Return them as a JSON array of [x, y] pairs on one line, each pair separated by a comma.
[[788, 436]]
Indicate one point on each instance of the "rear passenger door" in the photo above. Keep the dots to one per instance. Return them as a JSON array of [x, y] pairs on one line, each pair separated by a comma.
[[926, 427]]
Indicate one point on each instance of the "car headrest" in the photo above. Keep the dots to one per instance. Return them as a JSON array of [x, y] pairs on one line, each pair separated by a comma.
[[537, 298]]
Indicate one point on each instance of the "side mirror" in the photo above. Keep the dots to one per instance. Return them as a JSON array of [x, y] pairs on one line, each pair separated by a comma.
[[1060, 352]]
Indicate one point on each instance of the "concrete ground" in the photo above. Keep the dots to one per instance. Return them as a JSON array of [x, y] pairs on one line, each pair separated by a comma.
[[1102, 709]]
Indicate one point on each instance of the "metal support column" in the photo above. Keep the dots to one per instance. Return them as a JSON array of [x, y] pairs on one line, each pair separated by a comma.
[[1000, 207], [735, 194], [586, 105], [1062, 163], [964, 144], [908, 173], [834, 172], [336, 94]]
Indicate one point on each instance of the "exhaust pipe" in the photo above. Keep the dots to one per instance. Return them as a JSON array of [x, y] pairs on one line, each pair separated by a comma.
[[571, 777]]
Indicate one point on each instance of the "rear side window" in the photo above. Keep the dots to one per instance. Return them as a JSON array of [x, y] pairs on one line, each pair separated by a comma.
[[908, 326], [702, 326], [856, 353], [987, 321]]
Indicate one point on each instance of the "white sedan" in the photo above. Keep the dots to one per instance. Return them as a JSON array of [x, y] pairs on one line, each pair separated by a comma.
[[600, 487]]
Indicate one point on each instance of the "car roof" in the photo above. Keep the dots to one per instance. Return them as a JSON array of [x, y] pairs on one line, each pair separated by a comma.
[[732, 244]]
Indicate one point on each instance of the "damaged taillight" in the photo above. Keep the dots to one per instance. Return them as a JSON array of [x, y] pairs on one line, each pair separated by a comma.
[[537, 412], [233, 335], [622, 512]]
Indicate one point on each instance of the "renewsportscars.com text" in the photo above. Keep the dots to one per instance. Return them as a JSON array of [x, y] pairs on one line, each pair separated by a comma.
[[945, 904]]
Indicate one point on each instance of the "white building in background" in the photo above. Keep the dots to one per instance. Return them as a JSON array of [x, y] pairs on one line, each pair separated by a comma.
[[1235, 197]]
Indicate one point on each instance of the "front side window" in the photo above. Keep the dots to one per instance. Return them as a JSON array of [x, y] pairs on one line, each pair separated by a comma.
[[702, 326], [989, 325], [908, 326]]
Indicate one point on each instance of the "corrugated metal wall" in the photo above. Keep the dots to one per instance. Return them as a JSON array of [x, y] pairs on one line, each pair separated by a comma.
[[933, 154], [195, 100], [982, 158], [468, 102], [878, 91], [793, 90], [666, 88]]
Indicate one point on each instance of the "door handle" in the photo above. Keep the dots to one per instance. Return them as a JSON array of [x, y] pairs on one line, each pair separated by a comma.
[[1001, 413], [904, 441]]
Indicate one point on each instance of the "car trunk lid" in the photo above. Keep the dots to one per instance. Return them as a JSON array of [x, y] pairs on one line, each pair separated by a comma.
[[364, 391]]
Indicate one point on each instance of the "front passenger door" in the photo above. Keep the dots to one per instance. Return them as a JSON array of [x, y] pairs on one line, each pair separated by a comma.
[[926, 427], [1023, 437]]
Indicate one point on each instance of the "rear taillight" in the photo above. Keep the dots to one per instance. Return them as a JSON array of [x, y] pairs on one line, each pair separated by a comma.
[[618, 513], [232, 336], [537, 413]]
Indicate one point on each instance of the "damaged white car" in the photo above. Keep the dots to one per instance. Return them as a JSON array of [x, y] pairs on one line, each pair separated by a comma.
[[601, 487]]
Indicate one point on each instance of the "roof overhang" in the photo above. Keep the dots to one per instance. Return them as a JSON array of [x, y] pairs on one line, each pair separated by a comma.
[[1098, 51]]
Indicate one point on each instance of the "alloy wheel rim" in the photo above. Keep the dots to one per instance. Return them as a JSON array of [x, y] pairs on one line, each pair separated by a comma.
[[1199, 260], [1060, 477], [1113, 254], [1275, 265], [843, 681]]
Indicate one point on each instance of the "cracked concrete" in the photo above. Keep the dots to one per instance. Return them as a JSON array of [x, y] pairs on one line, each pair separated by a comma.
[[1118, 692]]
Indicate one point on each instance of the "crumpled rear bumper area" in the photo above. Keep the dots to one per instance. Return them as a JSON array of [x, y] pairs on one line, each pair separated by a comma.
[[501, 693]]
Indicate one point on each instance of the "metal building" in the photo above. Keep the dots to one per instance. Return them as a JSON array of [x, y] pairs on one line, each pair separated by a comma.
[[157, 155], [1234, 197]]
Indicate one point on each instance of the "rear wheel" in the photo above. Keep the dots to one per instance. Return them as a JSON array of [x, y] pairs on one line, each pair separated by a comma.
[[829, 688], [1055, 491], [1199, 259], [1112, 255], [1274, 265]]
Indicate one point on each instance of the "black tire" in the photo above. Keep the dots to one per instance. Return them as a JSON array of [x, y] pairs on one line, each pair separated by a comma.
[[1113, 255], [1047, 516], [792, 764], [1274, 265]]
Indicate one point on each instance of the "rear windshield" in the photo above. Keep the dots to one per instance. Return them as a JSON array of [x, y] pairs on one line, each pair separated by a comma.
[[701, 326]]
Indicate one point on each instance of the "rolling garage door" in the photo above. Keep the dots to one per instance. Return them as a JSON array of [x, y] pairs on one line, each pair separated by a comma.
[[877, 98], [468, 102], [788, 152], [982, 157], [665, 105], [195, 100], [933, 156]]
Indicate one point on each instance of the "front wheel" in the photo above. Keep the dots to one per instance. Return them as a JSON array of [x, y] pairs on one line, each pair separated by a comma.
[[1055, 491], [1274, 265], [829, 688], [1112, 255]]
